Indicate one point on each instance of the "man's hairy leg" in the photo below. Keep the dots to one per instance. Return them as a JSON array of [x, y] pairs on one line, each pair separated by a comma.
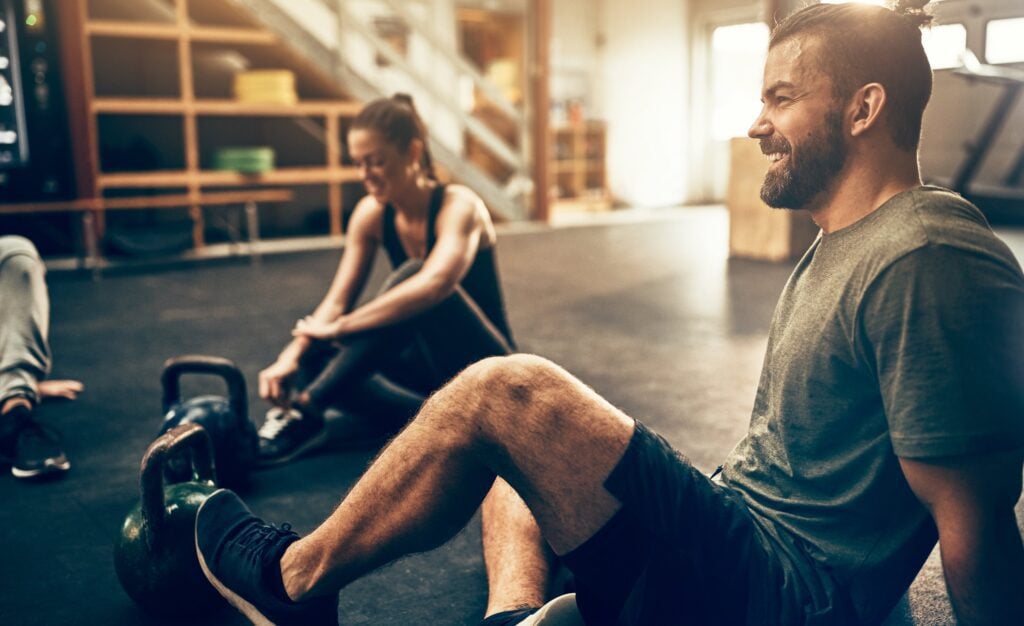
[[520, 417], [517, 559]]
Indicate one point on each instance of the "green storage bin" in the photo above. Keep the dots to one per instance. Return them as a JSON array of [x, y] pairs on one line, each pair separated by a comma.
[[248, 160]]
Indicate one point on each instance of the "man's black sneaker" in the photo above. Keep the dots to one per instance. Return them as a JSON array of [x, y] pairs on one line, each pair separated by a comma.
[[38, 453], [241, 557], [509, 618], [562, 611], [288, 433]]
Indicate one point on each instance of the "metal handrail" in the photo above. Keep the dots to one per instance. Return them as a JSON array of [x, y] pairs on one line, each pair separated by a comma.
[[481, 131], [484, 85]]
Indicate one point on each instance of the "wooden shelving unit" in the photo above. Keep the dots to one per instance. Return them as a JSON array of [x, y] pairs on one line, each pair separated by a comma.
[[577, 167], [187, 183]]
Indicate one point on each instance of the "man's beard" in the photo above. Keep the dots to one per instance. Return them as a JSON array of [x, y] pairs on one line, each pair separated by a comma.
[[809, 170]]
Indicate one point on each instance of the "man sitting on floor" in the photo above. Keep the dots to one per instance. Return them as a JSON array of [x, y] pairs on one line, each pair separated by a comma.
[[890, 411], [31, 449]]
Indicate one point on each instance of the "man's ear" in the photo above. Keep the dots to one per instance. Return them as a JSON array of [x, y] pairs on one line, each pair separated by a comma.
[[866, 108]]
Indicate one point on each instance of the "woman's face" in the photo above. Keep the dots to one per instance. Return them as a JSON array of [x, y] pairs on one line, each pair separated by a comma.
[[383, 168]]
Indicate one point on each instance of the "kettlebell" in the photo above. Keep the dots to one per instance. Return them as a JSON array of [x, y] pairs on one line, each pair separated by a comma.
[[155, 556], [226, 420]]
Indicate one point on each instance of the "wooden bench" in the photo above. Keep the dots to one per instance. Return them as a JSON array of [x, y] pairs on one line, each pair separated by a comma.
[[93, 209]]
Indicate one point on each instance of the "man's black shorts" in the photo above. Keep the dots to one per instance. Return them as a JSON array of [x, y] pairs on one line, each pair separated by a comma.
[[682, 550]]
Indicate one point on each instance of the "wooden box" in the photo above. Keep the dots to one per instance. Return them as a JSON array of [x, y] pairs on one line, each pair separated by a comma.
[[757, 231]]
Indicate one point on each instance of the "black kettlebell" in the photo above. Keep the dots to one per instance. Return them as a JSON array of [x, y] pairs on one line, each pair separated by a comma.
[[226, 420], [155, 555]]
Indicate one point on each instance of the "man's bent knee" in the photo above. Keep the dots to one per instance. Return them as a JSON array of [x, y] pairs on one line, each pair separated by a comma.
[[492, 389], [513, 378], [510, 391]]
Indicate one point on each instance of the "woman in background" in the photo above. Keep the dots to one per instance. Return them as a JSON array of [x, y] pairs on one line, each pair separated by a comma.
[[440, 310]]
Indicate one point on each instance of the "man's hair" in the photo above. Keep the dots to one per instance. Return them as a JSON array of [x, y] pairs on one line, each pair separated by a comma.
[[860, 44]]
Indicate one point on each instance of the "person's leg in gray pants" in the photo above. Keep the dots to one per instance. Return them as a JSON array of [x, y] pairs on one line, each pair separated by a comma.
[[31, 449]]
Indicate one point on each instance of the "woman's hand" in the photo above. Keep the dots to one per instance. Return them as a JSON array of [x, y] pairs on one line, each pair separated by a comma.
[[274, 380], [315, 329]]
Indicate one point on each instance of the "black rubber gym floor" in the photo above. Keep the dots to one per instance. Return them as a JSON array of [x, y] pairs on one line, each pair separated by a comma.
[[649, 312]]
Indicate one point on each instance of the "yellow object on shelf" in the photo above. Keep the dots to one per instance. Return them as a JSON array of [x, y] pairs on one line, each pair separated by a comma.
[[265, 87]]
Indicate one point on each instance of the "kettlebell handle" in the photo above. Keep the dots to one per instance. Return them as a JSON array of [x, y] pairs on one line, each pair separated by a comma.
[[151, 477], [175, 367]]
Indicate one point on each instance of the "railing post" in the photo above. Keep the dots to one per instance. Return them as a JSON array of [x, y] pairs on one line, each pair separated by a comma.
[[540, 104]]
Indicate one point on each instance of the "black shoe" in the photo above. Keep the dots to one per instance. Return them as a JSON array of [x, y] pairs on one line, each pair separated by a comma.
[[10, 424], [287, 434], [562, 611], [509, 618], [38, 453], [241, 555]]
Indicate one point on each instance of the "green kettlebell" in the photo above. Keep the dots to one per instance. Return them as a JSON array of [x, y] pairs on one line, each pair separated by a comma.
[[155, 556]]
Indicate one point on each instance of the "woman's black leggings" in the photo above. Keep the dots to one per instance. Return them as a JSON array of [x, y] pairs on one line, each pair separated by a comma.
[[386, 373]]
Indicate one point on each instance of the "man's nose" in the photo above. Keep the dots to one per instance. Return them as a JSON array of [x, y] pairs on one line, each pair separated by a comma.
[[761, 127]]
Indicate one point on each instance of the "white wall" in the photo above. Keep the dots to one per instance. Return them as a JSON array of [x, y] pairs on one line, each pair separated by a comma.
[[709, 157], [576, 55], [643, 91]]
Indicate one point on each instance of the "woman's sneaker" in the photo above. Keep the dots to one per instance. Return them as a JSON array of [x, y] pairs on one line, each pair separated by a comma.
[[289, 433]]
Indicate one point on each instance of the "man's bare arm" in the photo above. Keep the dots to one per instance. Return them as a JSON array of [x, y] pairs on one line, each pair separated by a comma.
[[972, 502]]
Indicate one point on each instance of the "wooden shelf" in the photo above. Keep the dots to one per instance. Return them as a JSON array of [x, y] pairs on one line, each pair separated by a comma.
[[208, 198], [280, 176], [170, 106], [157, 30], [141, 106], [175, 42], [134, 30], [151, 202], [214, 178], [307, 107], [578, 167], [156, 179], [213, 34]]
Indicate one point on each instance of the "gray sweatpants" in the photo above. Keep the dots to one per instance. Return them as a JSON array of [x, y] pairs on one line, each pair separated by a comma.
[[24, 319]]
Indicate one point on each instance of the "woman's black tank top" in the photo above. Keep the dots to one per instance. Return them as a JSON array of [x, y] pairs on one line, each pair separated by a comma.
[[480, 282]]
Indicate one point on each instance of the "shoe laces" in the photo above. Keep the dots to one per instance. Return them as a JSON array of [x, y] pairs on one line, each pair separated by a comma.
[[276, 421], [261, 539]]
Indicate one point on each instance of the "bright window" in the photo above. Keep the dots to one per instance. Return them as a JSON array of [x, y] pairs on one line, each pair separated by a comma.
[[944, 44], [1004, 41], [737, 69]]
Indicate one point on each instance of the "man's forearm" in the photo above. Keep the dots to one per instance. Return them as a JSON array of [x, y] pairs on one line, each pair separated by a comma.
[[984, 580]]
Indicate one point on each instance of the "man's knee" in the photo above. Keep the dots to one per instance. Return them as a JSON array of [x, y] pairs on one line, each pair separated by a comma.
[[514, 376], [515, 385]]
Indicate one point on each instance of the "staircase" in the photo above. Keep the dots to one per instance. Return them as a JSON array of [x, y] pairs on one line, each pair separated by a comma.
[[339, 38]]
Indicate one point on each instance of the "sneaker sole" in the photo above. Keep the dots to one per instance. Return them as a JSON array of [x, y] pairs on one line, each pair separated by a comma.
[[245, 608], [562, 611], [308, 446], [47, 470]]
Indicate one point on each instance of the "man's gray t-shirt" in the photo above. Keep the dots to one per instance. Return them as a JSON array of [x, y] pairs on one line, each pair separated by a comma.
[[900, 335]]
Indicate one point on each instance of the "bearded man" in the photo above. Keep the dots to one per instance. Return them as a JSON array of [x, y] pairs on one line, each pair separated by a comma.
[[889, 415]]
